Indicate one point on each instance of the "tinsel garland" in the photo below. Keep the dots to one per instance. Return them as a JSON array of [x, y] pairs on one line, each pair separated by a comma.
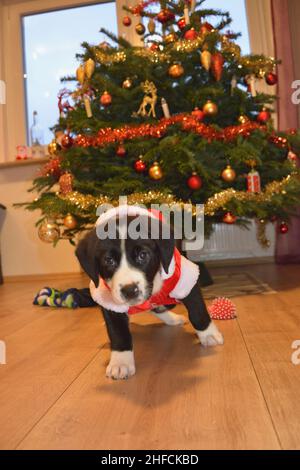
[[213, 204], [189, 123], [257, 64]]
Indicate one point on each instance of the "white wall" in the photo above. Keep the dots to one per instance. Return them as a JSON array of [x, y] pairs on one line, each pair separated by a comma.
[[22, 251]]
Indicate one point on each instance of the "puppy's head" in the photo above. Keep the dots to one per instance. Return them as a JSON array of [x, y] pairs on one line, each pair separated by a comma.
[[130, 266]]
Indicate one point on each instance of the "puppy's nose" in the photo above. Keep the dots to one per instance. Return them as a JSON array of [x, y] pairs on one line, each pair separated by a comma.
[[130, 291]]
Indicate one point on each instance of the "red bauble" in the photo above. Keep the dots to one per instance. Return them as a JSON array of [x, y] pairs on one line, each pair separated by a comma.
[[194, 182], [271, 78], [283, 228], [229, 218], [217, 62], [121, 151], [165, 15], [154, 46], [126, 21], [264, 116], [140, 166], [198, 114], [181, 23], [222, 309], [105, 99], [191, 34], [67, 141], [206, 28]]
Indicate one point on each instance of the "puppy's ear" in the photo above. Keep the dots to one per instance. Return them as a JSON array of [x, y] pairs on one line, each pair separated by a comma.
[[86, 254], [165, 244]]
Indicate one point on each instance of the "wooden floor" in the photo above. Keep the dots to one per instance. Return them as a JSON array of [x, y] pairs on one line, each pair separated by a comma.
[[244, 395]]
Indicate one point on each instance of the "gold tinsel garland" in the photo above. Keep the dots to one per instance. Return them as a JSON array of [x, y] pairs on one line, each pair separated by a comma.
[[257, 64], [215, 203]]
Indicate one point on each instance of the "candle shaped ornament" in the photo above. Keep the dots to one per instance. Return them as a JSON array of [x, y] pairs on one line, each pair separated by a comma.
[[186, 14], [233, 84], [87, 104], [251, 82], [165, 108], [253, 182], [193, 5]]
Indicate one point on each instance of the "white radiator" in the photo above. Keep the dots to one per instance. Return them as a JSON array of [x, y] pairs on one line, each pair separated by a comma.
[[232, 242]]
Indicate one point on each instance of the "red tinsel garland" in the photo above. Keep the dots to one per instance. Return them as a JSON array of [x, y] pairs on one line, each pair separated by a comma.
[[188, 123]]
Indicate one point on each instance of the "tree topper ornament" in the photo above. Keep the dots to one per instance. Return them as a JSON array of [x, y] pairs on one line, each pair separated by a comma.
[[150, 99]]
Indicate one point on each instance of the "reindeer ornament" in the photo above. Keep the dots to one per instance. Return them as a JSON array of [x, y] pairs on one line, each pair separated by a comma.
[[150, 99]]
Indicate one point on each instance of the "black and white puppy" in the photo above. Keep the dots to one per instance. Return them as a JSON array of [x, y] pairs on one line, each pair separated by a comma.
[[131, 275]]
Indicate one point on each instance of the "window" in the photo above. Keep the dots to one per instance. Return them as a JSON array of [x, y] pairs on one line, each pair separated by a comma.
[[237, 10], [51, 41]]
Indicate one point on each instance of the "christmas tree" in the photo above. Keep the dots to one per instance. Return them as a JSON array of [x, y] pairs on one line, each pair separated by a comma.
[[177, 119]]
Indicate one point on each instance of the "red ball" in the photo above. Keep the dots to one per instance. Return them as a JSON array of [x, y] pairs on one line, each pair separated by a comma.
[[191, 34], [67, 141], [140, 166], [271, 78], [198, 114], [206, 28], [105, 99], [126, 21], [154, 46], [283, 228], [194, 182], [121, 151], [264, 116], [181, 23], [165, 15], [222, 309]]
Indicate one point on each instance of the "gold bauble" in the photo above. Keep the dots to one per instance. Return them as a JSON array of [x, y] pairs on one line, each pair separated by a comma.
[[243, 119], [151, 26], [89, 67], [176, 70], [70, 222], [210, 108], [228, 174], [171, 37], [53, 147], [127, 83], [48, 231], [140, 29], [206, 60], [155, 171], [80, 74]]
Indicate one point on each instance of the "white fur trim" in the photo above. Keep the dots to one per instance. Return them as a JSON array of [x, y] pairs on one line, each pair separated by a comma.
[[122, 211], [188, 278]]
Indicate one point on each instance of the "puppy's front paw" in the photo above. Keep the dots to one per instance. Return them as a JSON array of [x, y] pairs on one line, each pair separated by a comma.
[[170, 318], [121, 365], [211, 336]]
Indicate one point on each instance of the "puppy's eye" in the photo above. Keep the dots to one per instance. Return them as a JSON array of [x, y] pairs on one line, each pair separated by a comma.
[[142, 256]]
